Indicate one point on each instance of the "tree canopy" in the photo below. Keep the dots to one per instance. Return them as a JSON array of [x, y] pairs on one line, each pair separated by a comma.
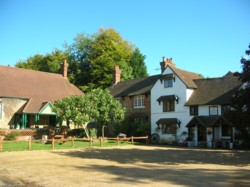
[[240, 116], [48, 63], [91, 60], [97, 105]]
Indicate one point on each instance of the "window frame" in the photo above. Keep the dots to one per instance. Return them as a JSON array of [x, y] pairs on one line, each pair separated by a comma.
[[212, 110], [168, 105], [194, 110], [168, 83], [139, 101], [169, 128]]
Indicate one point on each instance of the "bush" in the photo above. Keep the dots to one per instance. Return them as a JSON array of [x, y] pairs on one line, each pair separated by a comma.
[[11, 136], [78, 133]]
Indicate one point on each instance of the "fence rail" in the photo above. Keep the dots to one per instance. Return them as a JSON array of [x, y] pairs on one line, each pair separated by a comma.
[[98, 142]]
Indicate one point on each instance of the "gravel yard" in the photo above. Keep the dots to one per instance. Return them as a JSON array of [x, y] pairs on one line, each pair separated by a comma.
[[126, 166]]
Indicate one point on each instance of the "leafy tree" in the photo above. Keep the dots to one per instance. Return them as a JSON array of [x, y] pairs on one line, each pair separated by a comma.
[[104, 107], [96, 55], [240, 116], [48, 63], [138, 65], [98, 105]]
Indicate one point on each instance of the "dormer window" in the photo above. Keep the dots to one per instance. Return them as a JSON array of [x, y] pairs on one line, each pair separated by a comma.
[[168, 80], [168, 83]]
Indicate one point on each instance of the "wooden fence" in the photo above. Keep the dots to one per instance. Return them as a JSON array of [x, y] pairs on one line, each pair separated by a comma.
[[72, 140]]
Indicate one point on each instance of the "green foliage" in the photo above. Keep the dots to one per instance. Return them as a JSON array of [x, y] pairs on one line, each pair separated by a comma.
[[133, 128], [11, 136], [78, 133], [240, 116], [97, 105], [96, 56], [138, 65], [47, 63], [93, 132]]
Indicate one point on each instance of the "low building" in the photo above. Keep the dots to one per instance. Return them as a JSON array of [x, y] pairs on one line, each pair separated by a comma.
[[27, 96]]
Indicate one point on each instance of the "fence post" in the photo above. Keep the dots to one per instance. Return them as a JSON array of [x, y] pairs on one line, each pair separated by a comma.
[[100, 139], [117, 140], [29, 144], [73, 142], [90, 142], [1, 144], [147, 140], [53, 142], [132, 139]]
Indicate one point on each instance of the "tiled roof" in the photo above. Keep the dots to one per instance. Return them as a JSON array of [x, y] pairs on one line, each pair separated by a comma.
[[35, 86], [133, 87], [208, 121], [186, 76], [214, 91]]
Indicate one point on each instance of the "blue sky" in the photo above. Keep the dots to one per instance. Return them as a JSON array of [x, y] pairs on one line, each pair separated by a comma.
[[203, 36]]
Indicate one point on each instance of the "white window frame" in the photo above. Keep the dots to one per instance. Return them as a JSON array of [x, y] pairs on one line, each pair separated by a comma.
[[139, 101], [213, 111], [168, 83]]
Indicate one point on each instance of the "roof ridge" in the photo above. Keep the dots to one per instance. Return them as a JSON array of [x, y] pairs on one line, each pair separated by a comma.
[[31, 70]]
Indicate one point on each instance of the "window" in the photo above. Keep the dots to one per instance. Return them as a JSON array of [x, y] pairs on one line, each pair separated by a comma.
[[1, 109], [139, 101], [168, 105], [168, 83], [169, 128], [140, 120], [194, 110], [213, 110]]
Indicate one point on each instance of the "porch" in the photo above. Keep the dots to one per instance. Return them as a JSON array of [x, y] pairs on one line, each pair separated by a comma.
[[211, 131]]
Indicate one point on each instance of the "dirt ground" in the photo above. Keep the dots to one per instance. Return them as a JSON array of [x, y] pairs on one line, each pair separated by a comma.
[[126, 166]]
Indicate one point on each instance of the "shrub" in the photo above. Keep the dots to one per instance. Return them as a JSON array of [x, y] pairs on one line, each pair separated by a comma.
[[11, 136]]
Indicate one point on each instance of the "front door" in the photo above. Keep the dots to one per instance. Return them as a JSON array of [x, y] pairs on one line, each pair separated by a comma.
[[52, 120], [201, 133]]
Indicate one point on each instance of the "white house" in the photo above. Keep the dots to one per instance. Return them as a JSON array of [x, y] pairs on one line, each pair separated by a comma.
[[182, 102]]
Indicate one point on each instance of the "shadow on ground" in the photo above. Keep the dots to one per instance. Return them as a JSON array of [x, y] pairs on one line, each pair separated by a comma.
[[169, 165]]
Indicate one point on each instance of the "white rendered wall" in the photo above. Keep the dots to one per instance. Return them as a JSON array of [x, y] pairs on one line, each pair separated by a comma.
[[181, 112]]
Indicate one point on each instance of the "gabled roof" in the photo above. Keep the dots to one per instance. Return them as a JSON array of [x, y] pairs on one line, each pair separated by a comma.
[[214, 91], [133, 87], [186, 76], [35, 86], [208, 121]]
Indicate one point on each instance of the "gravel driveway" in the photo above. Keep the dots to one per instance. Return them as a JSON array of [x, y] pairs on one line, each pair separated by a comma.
[[126, 166]]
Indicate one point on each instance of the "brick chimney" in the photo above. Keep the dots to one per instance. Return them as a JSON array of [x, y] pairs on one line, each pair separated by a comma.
[[65, 69], [166, 62], [116, 74]]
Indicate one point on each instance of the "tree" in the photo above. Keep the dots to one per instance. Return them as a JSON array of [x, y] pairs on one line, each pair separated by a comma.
[[104, 107], [240, 116], [96, 55], [97, 105], [138, 65], [48, 63]]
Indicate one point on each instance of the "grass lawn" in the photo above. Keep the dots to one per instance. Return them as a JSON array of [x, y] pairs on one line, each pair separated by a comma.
[[35, 145]]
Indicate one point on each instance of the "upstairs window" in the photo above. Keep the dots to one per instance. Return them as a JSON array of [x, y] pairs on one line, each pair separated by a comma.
[[168, 105], [168, 83], [194, 110], [139, 101], [213, 110], [225, 109]]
